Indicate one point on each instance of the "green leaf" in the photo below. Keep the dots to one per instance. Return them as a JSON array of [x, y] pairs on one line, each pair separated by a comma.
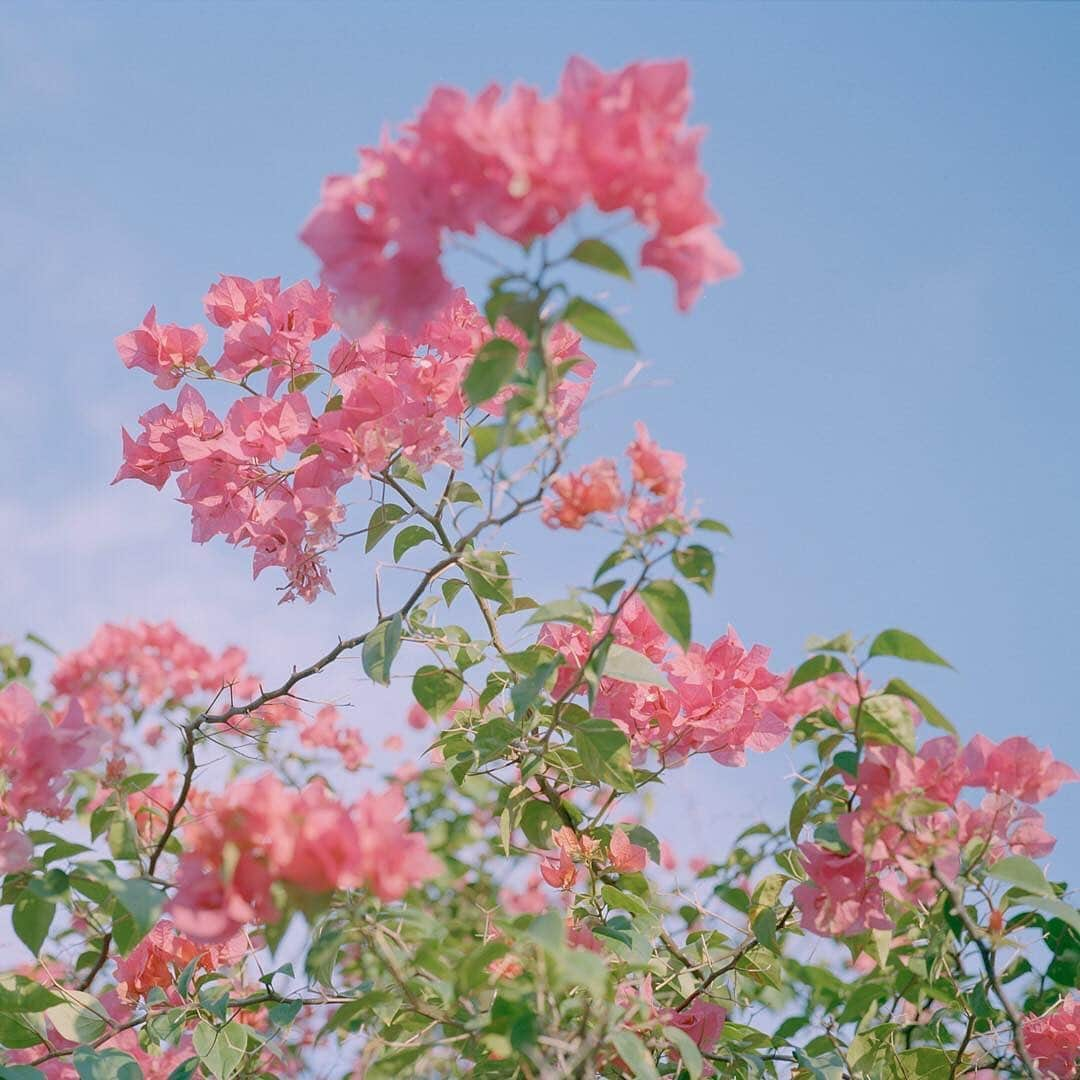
[[492, 368], [569, 610], [488, 575], [1058, 908], [408, 538], [626, 665], [593, 252], [884, 718], [486, 439], [436, 689], [80, 1017], [906, 646], [31, 918], [284, 1013], [712, 525], [1023, 873], [185, 1070], [595, 323], [18, 994], [221, 1050], [20, 1072], [302, 382], [404, 469], [842, 643], [817, 667], [697, 565], [605, 753], [764, 927], [689, 1054], [670, 608], [927, 1063], [461, 492], [923, 704], [93, 1064], [382, 521], [636, 1055], [451, 588], [380, 647]]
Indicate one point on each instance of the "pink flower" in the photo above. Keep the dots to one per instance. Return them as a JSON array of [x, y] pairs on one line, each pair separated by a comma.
[[592, 490], [559, 871], [303, 838], [1015, 767], [160, 957], [842, 897], [167, 352], [519, 165], [625, 857], [701, 1020], [36, 756], [1053, 1040], [658, 471]]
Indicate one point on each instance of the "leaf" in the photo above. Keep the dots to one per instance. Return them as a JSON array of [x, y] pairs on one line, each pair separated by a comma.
[[492, 368], [284, 1013], [817, 667], [408, 538], [595, 323], [485, 439], [570, 610], [670, 608], [593, 252], [906, 646], [712, 525], [764, 927], [488, 575], [20, 1072], [436, 689], [626, 665], [18, 994], [93, 1064], [1023, 873], [221, 1050], [80, 1018], [636, 1055], [884, 718], [923, 704], [697, 564], [605, 753], [303, 381], [382, 521], [31, 917], [451, 588], [185, 1070], [380, 647], [689, 1054], [462, 492], [1058, 908]]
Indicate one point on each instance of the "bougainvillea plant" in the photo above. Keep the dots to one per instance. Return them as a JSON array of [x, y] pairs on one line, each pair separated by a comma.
[[498, 908]]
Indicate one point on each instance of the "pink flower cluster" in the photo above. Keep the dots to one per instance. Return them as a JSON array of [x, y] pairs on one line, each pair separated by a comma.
[[655, 496], [143, 665], [722, 700], [909, 822], [702, 1020], [267, 475], [160, 957], [260, 834], [520, 167], [560, 870], [36, 757], [1053, 1040]]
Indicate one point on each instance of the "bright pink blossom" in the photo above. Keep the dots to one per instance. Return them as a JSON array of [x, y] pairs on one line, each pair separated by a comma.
[[842, 897], [167, 352], [1053, 1040], [626, 857], [577, 496], [1015, 767], [519, 165]]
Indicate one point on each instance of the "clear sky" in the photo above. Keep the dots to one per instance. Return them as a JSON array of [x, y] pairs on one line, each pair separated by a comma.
[[883, 407]]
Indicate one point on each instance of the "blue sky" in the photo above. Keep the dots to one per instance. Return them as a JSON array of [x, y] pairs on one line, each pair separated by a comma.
[[882, 407]]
